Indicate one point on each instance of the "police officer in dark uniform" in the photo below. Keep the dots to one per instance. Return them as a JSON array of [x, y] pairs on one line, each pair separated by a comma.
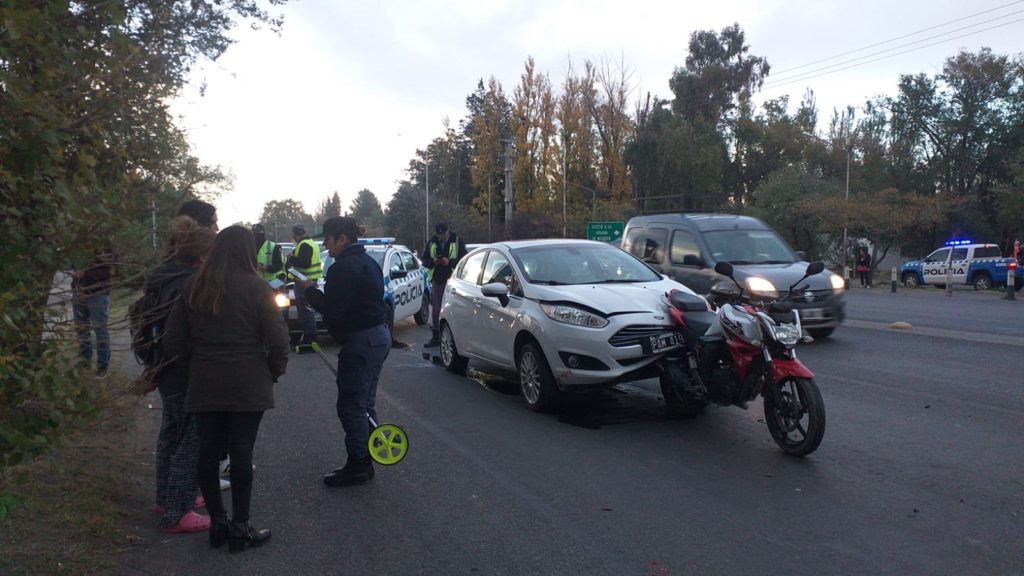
[[352, 305]]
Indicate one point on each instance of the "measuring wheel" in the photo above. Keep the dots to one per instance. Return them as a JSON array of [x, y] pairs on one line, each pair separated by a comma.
[[388, 444]]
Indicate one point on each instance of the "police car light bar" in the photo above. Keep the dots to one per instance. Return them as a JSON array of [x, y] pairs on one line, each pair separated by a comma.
[[376, 241], [957, 242]]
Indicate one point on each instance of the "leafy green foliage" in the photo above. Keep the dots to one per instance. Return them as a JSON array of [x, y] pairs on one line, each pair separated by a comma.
[[279, 216], [88, 156]]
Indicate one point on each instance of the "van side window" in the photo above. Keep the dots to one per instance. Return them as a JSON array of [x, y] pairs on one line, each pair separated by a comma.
[[987, 252], [654, 245], [683, 245], [632, 244], [959, 254]]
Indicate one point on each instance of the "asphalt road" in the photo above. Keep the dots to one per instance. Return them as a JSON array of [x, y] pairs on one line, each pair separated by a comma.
[[921, 470]]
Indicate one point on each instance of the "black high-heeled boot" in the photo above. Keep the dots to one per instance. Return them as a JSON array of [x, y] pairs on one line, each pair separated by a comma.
[[243, 535], [219, 530]]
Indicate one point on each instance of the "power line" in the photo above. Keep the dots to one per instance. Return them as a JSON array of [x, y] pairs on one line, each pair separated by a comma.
[[690, 102], [921, 31], [801, 79], [812, 72]]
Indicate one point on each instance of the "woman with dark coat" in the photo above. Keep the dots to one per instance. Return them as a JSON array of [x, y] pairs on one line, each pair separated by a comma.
[[177, 449], [231, 337], [864, 267]]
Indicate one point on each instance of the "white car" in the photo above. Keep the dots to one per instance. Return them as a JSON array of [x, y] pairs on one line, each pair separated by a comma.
[[564, 314]]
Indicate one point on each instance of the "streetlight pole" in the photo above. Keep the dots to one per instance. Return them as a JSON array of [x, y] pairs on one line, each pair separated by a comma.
[[846, 260], [565, 185]]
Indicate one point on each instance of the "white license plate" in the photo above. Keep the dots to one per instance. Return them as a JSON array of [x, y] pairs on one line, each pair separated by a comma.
[[812, 313], [660, 343]]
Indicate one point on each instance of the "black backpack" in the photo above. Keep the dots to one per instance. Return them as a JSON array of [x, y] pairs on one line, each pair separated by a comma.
[[146, 318]]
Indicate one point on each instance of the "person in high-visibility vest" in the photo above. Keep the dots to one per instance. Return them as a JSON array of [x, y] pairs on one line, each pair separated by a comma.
[[268, 255], [440, 257], [306, 259]]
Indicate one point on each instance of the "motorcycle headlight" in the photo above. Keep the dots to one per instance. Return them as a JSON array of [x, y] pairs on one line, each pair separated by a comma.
[[282, 301], [574, 316], [837, 281], [787, 334], [759, 285]]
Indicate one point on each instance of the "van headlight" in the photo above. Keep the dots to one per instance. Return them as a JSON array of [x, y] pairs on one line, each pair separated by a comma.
[[759, 285], [282, 301], [837, 281], [574, 316]]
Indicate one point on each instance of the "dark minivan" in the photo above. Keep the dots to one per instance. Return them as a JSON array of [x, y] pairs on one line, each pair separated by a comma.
[[686, 247]]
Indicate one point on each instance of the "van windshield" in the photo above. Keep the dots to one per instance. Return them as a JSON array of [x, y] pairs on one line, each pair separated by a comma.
[[748, 247]]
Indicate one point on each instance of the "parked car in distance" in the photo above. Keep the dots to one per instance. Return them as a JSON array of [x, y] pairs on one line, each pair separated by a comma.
[[686, 247], [564, 314]]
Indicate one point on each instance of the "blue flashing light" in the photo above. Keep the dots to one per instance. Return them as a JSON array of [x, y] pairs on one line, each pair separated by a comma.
[[377, 241], [958, 242]]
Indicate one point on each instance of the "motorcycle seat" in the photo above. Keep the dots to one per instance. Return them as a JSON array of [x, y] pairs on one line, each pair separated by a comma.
[[688, 302], [700, 322]]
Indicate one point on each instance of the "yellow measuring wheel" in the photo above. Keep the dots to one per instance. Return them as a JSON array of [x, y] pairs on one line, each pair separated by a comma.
[[388, 443]]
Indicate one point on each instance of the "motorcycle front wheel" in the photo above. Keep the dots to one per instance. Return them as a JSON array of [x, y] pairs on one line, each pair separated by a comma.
[[795, 414]]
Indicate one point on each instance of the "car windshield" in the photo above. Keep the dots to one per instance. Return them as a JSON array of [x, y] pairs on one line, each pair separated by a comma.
[[378, 256], [567, 264], [740, 246]]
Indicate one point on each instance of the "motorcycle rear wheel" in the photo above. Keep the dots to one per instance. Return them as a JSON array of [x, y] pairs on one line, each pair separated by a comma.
[[795, 414]]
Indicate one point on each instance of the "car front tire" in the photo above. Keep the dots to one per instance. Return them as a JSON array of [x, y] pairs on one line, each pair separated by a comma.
[[535, 380], [450, 358]]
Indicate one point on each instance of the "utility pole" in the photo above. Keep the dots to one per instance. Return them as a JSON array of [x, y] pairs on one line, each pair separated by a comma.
[[565, 185], [509, 200], [489, 175], [846, 260], [426, 167]]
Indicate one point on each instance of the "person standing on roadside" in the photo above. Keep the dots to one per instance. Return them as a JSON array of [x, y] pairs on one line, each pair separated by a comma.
[[91, 307], [864, 267], [268, 255], [306, 259], [177, 449], [353, 308], [440, 257], [204, 213], [228, 334]]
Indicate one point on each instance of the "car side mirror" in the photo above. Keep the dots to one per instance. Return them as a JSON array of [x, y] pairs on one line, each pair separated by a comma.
[[496, 290], [693, 260], [398, 274]]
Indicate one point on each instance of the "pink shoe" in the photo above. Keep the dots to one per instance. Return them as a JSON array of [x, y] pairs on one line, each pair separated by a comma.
[[190, 522]]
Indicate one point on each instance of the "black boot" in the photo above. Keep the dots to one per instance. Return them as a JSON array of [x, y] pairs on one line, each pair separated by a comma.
[[356, 471], [219, 529], [435, 340], [242, 535]]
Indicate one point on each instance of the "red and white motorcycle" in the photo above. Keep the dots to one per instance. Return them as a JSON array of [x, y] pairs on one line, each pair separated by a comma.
[[740, 351]]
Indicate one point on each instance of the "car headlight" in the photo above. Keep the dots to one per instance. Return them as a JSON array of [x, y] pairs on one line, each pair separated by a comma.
[[572, 315], [282, 301], [760, 285], [837, 281]]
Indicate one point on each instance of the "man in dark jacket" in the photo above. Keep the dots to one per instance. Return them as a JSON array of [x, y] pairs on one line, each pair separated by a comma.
[[352, 305], [91, 307], [440, 257]]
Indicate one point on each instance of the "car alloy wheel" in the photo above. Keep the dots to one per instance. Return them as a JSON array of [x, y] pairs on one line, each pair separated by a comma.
[[529, 376], [450, 357]]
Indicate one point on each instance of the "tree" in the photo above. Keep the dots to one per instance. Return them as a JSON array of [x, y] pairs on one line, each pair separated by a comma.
[[406, 213], [86, 150], [279, 216], [329, 208], [788, 201], [366, 210]]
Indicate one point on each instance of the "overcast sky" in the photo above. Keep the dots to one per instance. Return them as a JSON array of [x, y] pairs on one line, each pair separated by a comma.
[[344, 96]]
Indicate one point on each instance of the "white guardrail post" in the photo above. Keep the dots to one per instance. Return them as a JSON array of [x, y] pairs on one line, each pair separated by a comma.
[[893, 280], [1011, 281], [949, 279]]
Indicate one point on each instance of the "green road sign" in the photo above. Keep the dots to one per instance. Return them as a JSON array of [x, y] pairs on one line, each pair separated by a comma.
[[605, 231]]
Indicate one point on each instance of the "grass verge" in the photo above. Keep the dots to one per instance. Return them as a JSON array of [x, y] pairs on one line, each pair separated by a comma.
[[70, 507]]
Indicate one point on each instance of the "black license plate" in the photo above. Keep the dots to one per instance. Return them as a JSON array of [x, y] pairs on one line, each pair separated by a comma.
[[660, 343]]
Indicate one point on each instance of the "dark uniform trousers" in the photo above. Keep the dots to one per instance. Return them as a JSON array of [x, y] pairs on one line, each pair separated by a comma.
[[359, 364]]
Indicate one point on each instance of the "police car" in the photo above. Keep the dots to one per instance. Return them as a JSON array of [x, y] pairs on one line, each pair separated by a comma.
[[980, 265], [406, 290]]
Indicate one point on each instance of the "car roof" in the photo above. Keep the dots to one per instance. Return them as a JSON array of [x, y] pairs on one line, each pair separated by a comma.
[[511, 244], [704, 222]]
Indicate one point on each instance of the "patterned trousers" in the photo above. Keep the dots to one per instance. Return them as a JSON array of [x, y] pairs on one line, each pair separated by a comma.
[[177, 453]]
